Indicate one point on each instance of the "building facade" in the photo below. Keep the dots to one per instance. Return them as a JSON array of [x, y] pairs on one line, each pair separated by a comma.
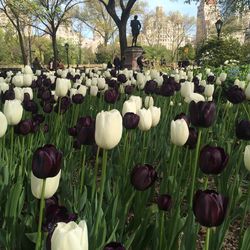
[[160, 29]]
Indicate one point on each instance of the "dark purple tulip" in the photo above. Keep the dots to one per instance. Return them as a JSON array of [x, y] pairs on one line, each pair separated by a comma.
[[39, 118], [47, 107], [143, 176], [121, 78], [211, 79], [202, 114], [164, 202], [46, 95], [192, 138], [30, 106], [8, 95], [129, 89], [65, 104], [235, 95], [150, 87], [243, 130], [46, 162], [114, 246], [26, 97], [24, 127], [77, 99], [111, 96], [213, 160], [199, 89], [113, 73], [131, 120], [167, 89], [209, 208], [183, 116], [72, 131], [196, 80], [113, 84]]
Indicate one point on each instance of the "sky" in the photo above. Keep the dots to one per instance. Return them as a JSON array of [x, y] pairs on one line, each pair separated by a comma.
[[174, 5]]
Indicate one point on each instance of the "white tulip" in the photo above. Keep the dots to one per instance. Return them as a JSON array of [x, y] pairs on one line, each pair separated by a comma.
[[61, 87], [19, 95], [137, 100], [190, 75], [248, 77], [194, 97], [156, 115], [145, 122], [4, 124], [223, 76], [93, 90], [218, 81], [108, 132], [27, 70], [17, 80], [27, 79], [209, 90], [179, 132], [51, 185], [29, 91], [72, 92], [13, 111], [94, 82], [129, 106], [208, 71], [240, 84], [4, 87], [70, 236], [247, 157], [203, 83], [187, 88], [38, 72], [247, 92], [148, 102], [101, 83]]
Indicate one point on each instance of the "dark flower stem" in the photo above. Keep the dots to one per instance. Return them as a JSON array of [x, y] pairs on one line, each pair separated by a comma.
[[195, 168], [207, 238], [39, 233]]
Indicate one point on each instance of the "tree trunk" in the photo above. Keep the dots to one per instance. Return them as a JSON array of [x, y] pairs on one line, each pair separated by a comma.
[[123, 38], [23, 50], [55, 52]]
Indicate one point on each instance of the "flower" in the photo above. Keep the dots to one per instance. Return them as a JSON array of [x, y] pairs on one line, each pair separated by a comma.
[[108, 132], [164, 202], [77, 98], [93, 90], [209, 90], [70, 236], [13, 111], [143, 176], [129, 106], [46, 162], [247, 91], [51, 185], [209, 208], [247, 157], [114, 246], [148, 102], [4, 124], [192, 138], [130, 120], [235, 94], [111, 95], [179, 132], [62, 87], [187, 88], [146, 121], [194, 97], [137, 100], [223, 76], [156, 115], [243, 130], [150, 87], [24, 127], [202, 114], [212, 160]]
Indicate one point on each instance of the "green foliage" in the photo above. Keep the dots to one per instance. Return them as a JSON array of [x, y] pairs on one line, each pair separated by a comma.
[[215, 52], [186, 52], [157, 52], [105, 54]]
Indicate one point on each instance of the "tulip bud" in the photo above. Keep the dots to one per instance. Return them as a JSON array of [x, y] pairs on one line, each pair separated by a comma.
[[179, 132], [61, 87], [243, 130], [209, 208], [235, 95], [209, 90], [156, 115], [128, 106], [13, 111], [148, 102], [130, 120], [187, 88], [143, 177], [145, 122], [194, 97], [93, 90], [223, 77], [111, 96], [108, 130], [4, 124], [164, 202], [137, 100], [70, 236], [114, 246], [247, 92], [213, 160], [247, 157], [51, 186]]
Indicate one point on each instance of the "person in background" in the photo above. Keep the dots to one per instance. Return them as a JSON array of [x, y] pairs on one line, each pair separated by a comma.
[[117, 63], [36, 65], [140, 61], [109, 65]]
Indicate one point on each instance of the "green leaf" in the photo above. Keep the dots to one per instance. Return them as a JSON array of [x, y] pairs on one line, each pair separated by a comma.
[[246, 240]]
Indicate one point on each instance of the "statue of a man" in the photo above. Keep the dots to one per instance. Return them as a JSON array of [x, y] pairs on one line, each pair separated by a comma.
[[136, 26]]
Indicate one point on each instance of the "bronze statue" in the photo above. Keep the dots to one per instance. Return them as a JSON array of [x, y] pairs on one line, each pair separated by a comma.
[[136, 26]]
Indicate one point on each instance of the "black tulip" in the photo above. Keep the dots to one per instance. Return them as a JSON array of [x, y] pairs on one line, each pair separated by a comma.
[[243, 130], [111, 95], [47, 107], [77, 98], [202, 114], [164, 202], [211, 79], [212, 160], [167, 89], [131, 120], [129, 89], [24, 127], [46, 162], [114, 246], [150, 87], [235, 95], [143, 176], [209, 208], [192, 138], [121, 78]]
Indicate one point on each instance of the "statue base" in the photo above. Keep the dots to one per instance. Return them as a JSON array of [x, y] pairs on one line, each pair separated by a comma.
[[131, 54]]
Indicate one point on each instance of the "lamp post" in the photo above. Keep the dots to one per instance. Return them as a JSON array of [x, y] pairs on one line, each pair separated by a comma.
[[66, 45], [218, 26]]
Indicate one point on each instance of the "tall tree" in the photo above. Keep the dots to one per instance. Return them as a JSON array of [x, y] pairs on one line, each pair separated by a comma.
[[16, 12], [120, 11], [50, 14]]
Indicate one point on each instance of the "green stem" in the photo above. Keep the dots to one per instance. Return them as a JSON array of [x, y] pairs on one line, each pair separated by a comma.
[[161, 225], [103, 179], [95, 174], [195, 169], [207, 238], [83, 170], [12, 146], [39, 234]]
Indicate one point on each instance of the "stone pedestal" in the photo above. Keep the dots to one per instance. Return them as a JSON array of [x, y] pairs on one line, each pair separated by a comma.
[[131, 55]]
